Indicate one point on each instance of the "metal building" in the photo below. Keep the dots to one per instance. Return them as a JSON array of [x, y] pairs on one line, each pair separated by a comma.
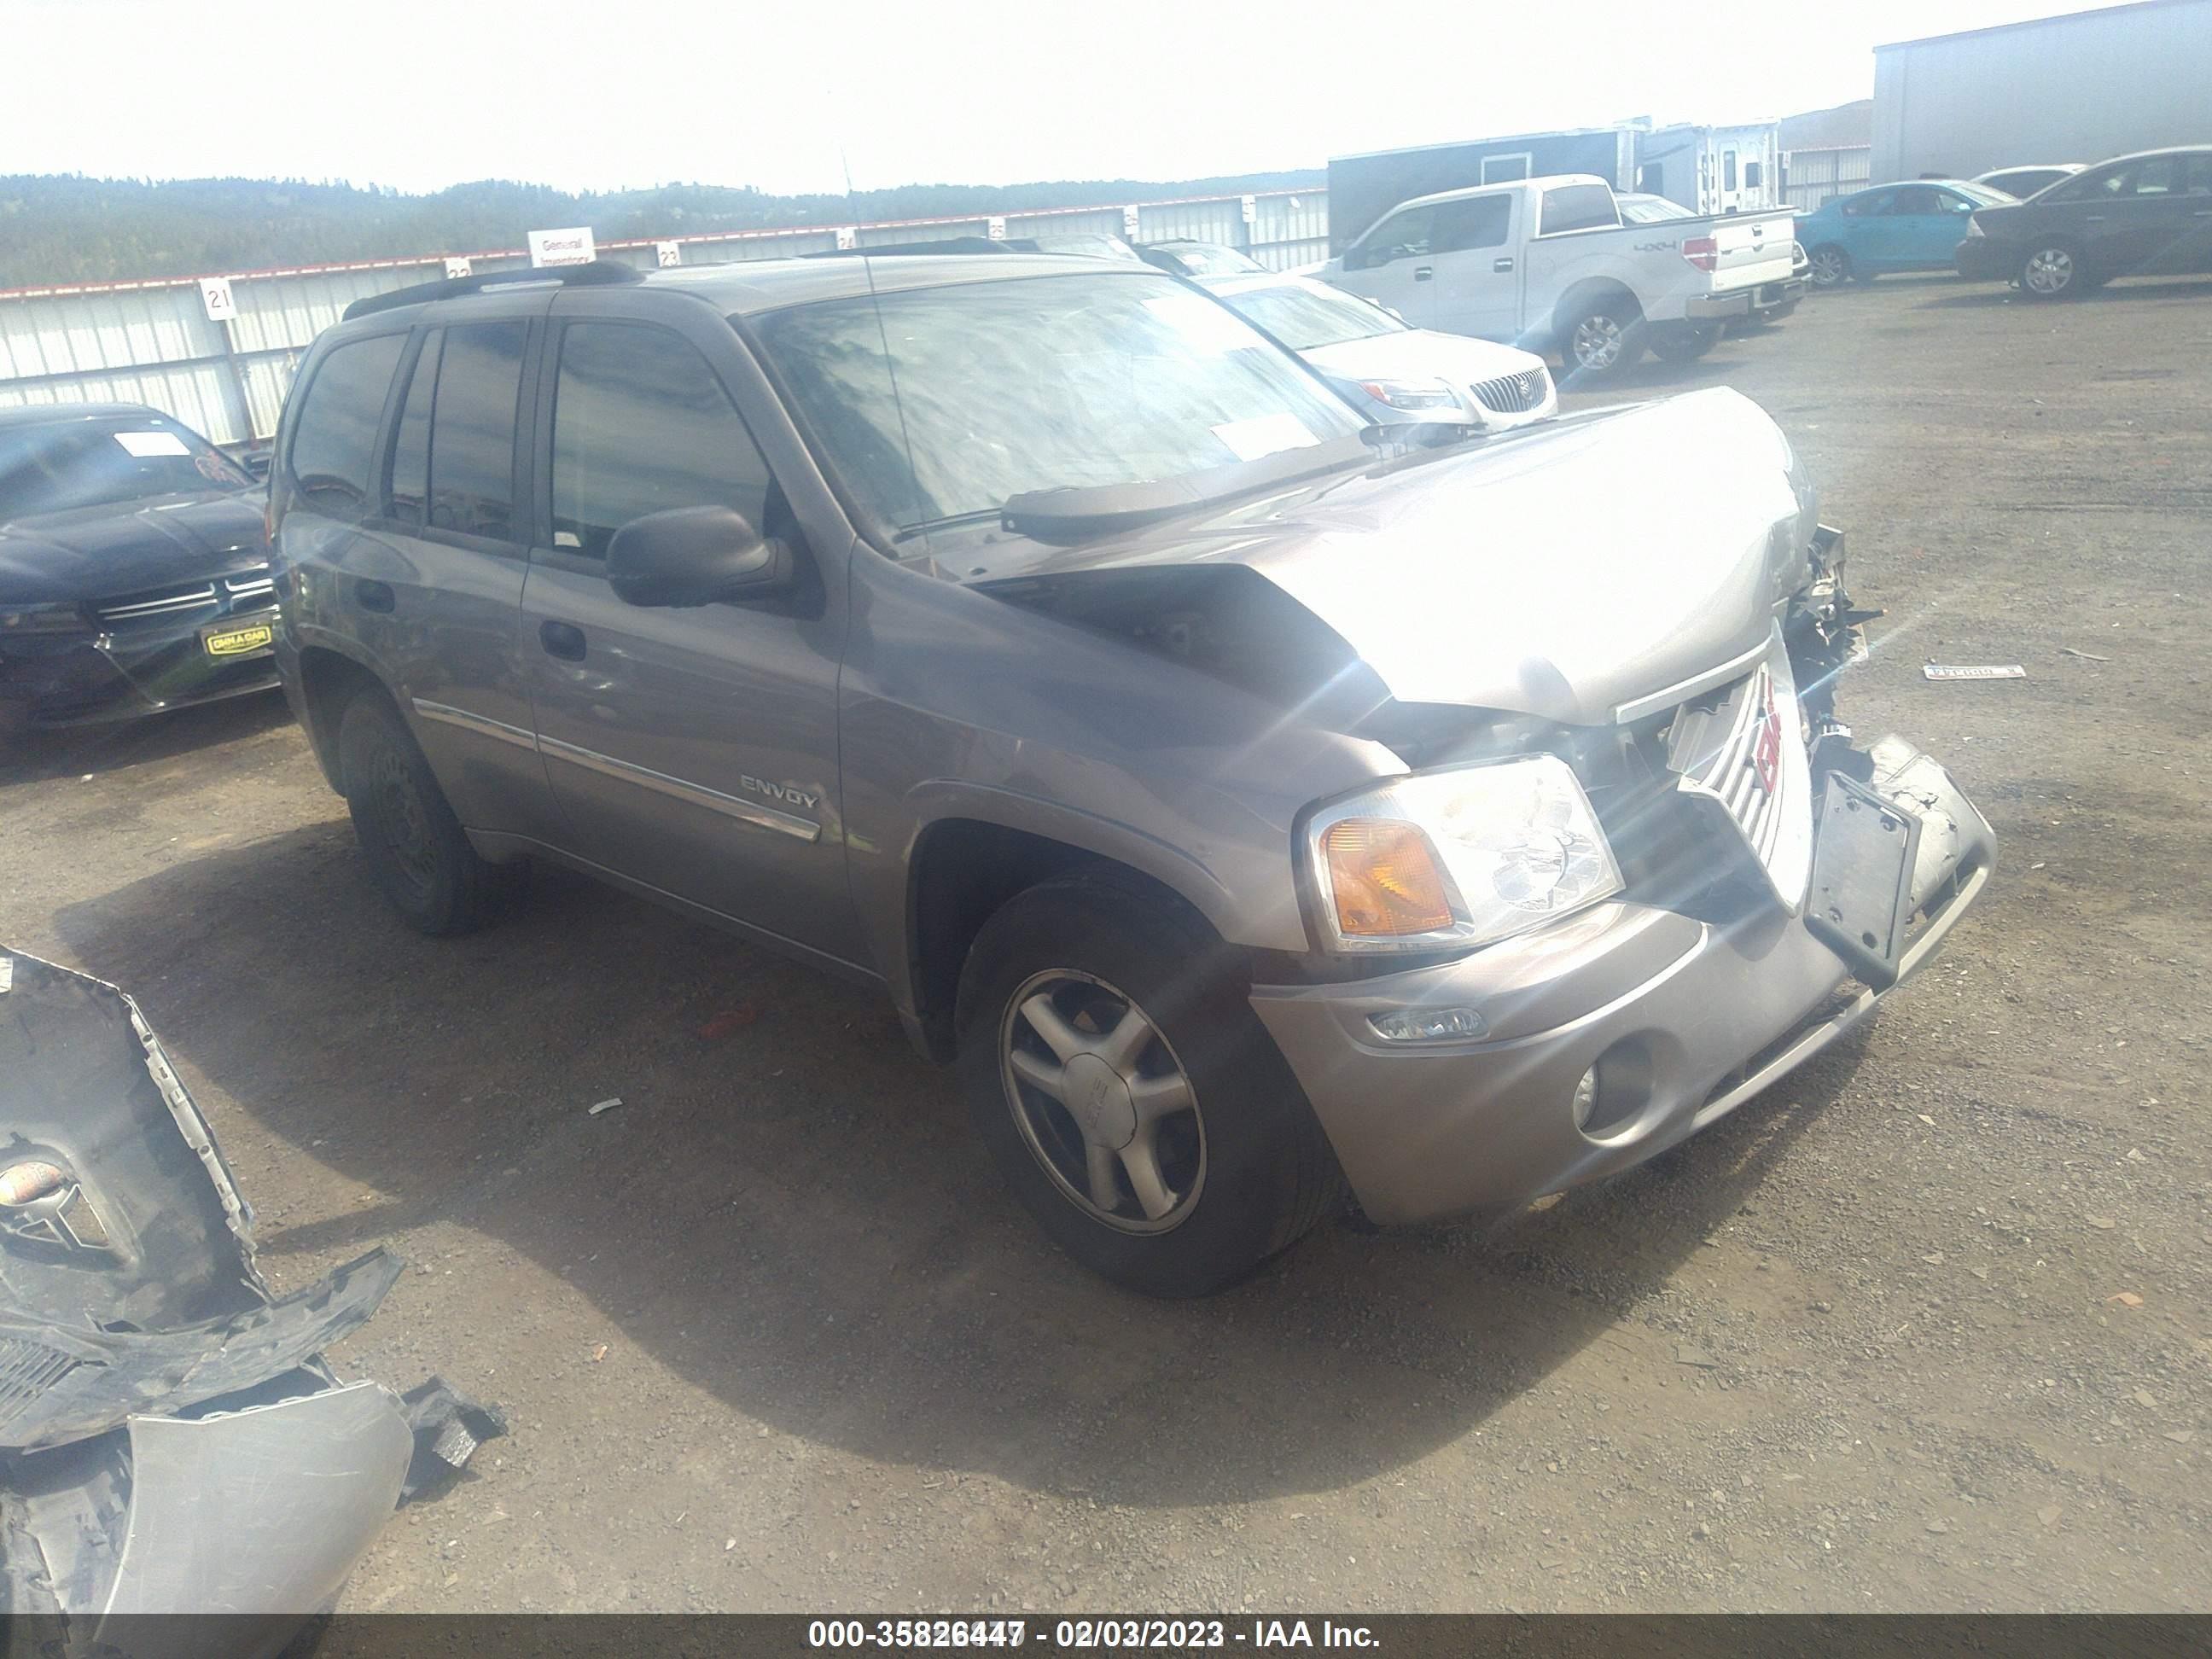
[[2079, 87]]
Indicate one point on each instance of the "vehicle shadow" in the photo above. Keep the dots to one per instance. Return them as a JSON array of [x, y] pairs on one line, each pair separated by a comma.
[[1982, 296], [73, 750], [787, 1209]]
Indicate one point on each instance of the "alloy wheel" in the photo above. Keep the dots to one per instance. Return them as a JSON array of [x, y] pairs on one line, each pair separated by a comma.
[[1830, 267], [2049, 270], [1596, 343], [1102, 1101]]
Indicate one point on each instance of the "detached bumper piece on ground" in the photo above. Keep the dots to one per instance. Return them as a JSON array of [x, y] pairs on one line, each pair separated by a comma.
[[170, 1440]]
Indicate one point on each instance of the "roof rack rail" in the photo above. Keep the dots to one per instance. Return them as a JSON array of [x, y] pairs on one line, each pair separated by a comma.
[[592, 274]]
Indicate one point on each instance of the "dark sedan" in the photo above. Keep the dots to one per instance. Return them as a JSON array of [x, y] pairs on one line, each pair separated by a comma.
[[134, 568], [2149, 214]]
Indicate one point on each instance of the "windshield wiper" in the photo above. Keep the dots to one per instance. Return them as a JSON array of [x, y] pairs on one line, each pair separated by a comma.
[[1071, 514], [950, 521]]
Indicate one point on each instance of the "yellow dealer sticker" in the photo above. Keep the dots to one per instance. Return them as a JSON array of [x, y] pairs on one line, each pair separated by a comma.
[[237, 641]]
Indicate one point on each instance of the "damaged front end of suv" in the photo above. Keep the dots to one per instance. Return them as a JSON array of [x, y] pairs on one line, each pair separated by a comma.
[[171, 1439]]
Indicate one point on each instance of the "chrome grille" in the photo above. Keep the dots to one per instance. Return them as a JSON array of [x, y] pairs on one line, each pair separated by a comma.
[[1746, 754], [251, 589], [1512, 394], [160, 605]]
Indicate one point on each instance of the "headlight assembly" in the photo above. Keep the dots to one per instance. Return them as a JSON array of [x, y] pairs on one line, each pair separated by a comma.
[[1457, 858], [1412, 394]]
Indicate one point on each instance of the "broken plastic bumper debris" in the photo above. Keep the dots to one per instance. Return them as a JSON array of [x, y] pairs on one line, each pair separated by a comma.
[[170, 1440]]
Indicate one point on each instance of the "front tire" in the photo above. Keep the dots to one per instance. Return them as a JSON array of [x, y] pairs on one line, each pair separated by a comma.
[[1832, 267], [1112, 1067], [415, 848], [1604, 341], [2052, 271]]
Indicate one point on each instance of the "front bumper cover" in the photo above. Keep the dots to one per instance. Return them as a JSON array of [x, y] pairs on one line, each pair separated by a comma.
[[81, 679], [170, 1440], [1690, 1017]]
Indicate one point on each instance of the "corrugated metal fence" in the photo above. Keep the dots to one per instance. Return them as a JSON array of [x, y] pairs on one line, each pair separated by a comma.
[[155, 342], [1810, 177]]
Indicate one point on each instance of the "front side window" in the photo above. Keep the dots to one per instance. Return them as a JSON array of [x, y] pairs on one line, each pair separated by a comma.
[[1578, 207], [333, 458], [641, 424], [939, 403], [1472, 222], [1307, 317], [1402, 236], [472, 429], [105, 461]]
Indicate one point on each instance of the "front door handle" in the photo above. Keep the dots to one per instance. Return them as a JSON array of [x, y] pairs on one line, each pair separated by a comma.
[[1422, 273], [1501, 264], [372, 596], [561, 640]]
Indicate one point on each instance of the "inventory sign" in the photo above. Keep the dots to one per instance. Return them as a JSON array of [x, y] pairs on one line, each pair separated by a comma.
[[563, 247]]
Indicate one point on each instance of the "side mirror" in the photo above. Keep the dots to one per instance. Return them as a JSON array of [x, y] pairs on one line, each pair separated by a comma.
[[691, 555], [1359, 257]]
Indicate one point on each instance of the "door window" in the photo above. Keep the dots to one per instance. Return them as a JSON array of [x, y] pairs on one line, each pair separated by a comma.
[[1866, 206], [1751, 174], [410, 487], [1475, 222], [1727, 169], [333, 459], [472, 429], [1913, 201], [1578, 207], [641, 424], [1401, 236]]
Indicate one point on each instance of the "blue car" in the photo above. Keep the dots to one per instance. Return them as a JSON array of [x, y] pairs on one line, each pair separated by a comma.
[[1913, 227]]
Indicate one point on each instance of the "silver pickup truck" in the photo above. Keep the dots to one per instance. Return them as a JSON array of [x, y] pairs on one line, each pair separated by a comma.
[[1260, 823], [1552, 263]]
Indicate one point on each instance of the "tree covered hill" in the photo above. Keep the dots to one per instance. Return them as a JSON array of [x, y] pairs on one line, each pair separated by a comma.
[[66, 229]]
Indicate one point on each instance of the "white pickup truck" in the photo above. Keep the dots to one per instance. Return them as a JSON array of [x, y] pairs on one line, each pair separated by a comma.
[[1541, 262]]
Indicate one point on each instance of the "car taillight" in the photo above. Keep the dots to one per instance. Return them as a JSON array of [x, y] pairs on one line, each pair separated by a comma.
[[1703, 252]]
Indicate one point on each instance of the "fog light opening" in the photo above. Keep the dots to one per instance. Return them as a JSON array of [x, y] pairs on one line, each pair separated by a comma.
[[1609, 1099]]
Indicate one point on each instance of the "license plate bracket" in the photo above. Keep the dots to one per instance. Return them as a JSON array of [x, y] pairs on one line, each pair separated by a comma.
[[1861, 902]]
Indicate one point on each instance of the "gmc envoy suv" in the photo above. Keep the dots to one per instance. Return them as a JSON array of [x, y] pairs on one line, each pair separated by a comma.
[[1262, 819]]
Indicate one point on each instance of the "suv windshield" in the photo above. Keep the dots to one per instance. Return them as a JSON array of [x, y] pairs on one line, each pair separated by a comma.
[[938, 404], [99, 461], [1305, 317]]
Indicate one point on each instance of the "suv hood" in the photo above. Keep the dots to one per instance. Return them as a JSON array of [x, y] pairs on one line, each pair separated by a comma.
[[1421, 354], [97, 552], [1565, 570]]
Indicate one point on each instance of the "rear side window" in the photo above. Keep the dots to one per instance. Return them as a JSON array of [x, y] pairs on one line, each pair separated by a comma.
[[410, 446], [472, 429], [1578, 207], [1862, 206], [1474, 222], [640, 425], [333, 459]]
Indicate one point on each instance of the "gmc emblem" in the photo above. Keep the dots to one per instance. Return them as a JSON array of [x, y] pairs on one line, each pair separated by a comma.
[[1766, 747]]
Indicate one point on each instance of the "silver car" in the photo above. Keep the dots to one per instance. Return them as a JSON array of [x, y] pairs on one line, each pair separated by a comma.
[[1448, 383], [1262, 822]]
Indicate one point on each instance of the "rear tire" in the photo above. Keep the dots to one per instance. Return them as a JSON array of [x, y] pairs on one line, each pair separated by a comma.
[[415, 848], [1172, 1155], [1604, 341]]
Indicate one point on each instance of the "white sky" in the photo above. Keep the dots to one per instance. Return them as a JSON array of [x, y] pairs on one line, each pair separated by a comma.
[[422, 94]]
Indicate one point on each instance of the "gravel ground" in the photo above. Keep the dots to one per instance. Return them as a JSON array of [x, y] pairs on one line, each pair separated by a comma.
[[773, 1337]]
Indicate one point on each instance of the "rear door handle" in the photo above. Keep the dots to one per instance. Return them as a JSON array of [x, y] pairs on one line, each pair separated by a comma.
[[1422, 273], [1501, 264], [372, 596], [561, 640]]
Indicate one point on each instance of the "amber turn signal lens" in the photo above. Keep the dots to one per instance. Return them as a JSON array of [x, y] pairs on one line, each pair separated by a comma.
[[1385, 878]]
